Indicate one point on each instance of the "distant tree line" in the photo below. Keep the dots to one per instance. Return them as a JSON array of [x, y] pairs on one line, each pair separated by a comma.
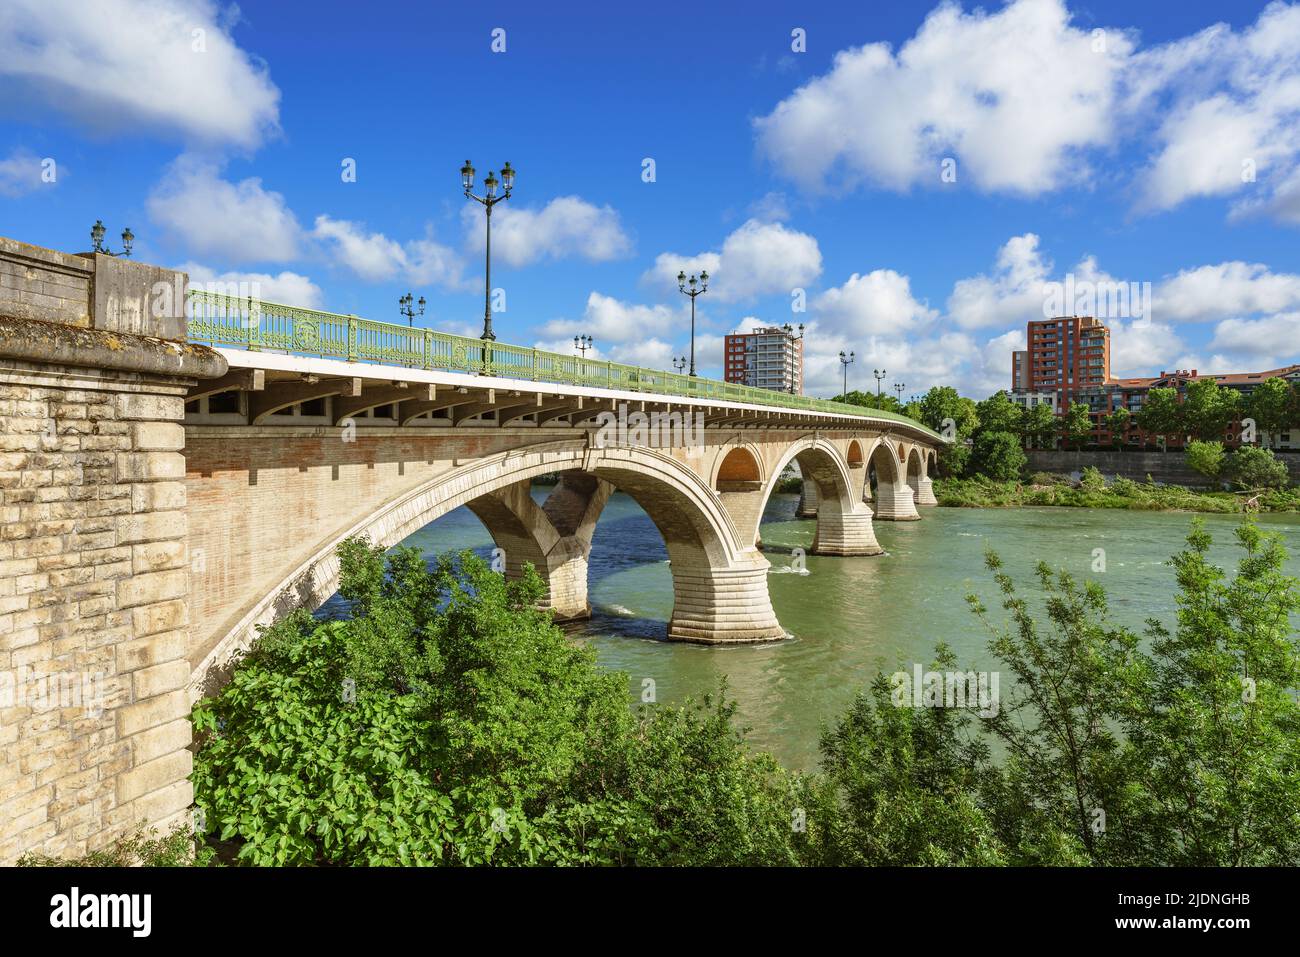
[[990, 437]]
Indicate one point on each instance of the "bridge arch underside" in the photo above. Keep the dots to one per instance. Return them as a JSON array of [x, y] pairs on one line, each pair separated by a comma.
[[719, 577], [893, 499], [834, 488]]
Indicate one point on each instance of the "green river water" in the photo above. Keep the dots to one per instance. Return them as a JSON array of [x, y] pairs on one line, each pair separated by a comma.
[[852, 617]]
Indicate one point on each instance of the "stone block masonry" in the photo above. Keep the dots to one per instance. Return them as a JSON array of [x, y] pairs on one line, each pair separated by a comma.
[[94, 572]]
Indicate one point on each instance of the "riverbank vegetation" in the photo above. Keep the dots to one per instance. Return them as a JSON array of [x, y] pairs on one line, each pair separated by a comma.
[[1093, 491], [448, 722]]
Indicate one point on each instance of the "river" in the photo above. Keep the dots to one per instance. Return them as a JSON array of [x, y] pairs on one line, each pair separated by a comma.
[[853, 617]]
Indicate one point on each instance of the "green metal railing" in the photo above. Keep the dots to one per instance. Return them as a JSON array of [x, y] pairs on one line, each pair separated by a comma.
[[256, 324]]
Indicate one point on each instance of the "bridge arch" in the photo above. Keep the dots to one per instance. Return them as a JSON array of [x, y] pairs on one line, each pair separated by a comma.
[[843, 522], [918, 476], [719, 579], [892, 498]]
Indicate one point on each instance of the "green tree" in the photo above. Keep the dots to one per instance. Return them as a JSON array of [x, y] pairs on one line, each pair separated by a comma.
[[1252, 467], [1205, 457], [1208, 409], [1077, 424], [901, 786], [870, 400], [998, 455], [1039, 426], [1161, 413], [1212, 727], [1180, 749], [998, 413], [942, 403], [1270, 405], [1117, 423]]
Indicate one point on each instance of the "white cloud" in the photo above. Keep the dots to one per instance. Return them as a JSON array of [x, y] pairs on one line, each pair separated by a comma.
[[1013, 294], [235, 222], [1143, 347], [1025, 101], [376, 258], [611, 320], [287, 287], [119, 65], [879, 303], [1014, 95], [757, 259], [567, 226], [1232, 106], [20, 173], [1273, 340], [1229, 289]]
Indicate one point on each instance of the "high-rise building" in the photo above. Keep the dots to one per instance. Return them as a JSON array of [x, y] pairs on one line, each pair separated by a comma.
[[1066, 354], [1020, 371], [766, 358]]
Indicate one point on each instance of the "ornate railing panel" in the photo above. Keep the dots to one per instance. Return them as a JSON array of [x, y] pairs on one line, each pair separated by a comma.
[[256, 324]]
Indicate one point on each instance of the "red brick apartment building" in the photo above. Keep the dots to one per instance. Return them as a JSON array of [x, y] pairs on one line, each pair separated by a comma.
[[1068, 361]]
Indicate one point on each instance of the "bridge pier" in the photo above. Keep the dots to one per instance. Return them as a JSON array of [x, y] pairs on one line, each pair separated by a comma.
[[893, 503], [845, 534], [807, 507], [723, 605], [923, 490], [555, 537]]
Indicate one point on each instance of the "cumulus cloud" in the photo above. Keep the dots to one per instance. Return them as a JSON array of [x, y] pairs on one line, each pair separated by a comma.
[[612, 320], [879, 303], [1015, 96], [236, 222], [119, 65], [286, 287], [566, 227], [757, 259], [1012, 294], [1274, 340], [1232, 114], [374, 257], [1228, 289], [1025, 102]]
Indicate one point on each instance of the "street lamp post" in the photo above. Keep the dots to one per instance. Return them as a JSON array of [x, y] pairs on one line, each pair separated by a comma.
[[880, 375], [488, 200], [689, 287], [404, 307], [789, 334], [845, 362], [679, 363], [97, 237], [582, 344], [898, 389]]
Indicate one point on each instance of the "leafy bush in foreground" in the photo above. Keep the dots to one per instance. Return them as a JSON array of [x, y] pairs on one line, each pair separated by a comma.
[[448, 721]]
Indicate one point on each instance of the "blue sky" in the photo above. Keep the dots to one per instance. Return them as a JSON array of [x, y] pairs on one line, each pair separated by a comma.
[[1138, 143]]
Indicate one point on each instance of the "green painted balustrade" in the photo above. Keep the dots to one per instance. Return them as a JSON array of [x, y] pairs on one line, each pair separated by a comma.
[[256, 324]]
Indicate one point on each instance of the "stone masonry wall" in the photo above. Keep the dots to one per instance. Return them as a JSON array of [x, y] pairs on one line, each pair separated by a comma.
[[93, 581]]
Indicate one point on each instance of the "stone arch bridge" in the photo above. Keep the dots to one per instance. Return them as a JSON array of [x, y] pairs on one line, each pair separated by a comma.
[[162, 498]]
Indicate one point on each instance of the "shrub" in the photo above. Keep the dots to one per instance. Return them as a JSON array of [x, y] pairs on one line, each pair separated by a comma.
[[1092, 480], [141, 848], [1253, 467], [1205, 457], [448, 721]]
